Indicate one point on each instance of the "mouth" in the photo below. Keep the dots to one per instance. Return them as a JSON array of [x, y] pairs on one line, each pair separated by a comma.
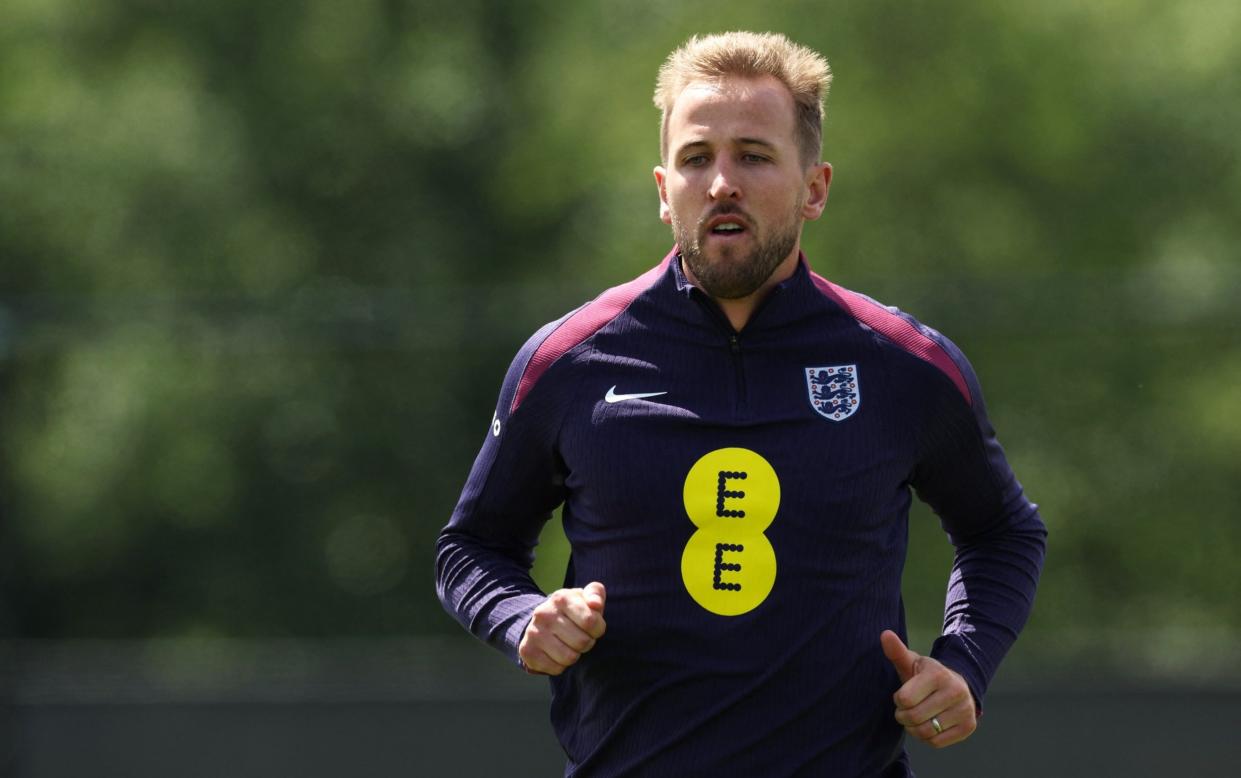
[[727, 226]]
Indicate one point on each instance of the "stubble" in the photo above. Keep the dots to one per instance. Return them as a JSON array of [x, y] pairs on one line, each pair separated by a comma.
[[734, 273]]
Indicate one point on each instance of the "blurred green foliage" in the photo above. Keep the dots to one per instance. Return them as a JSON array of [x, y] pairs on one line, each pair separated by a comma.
[[264, 265]]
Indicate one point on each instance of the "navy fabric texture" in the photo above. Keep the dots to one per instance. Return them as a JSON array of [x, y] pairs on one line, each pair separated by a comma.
[[798, 685]]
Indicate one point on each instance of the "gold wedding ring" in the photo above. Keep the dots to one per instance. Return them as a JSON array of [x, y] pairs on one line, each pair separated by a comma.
[[936, 725]]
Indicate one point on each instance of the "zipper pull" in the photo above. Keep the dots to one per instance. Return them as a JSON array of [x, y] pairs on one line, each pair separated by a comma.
[[734, 344]]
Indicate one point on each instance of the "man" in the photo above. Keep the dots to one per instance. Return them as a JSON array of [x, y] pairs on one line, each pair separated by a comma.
[[734, 439]]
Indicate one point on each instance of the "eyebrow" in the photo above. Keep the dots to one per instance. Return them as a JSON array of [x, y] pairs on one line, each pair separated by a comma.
[[691, 145], [694, 144]]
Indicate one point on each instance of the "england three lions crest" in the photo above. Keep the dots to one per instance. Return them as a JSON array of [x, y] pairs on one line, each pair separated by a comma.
[[834, 392]]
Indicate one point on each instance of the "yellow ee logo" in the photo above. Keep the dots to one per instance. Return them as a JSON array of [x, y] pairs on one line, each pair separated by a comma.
[[731, 495]]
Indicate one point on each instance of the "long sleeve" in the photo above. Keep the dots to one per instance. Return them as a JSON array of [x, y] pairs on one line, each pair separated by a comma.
[[484, 554], [999, 538]]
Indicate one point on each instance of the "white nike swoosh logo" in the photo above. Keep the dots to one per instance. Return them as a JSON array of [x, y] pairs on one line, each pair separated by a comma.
[[613, 397]]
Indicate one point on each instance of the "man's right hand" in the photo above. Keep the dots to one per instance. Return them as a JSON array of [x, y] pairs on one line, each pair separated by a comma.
[[565, 626]]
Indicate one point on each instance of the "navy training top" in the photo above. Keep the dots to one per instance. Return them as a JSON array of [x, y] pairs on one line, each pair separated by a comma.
[[744, 498]]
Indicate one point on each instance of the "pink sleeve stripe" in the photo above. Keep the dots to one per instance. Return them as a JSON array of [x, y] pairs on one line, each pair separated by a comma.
[[588, 320], [896, 329]]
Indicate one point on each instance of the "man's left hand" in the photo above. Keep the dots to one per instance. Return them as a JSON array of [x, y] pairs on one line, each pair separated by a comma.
[[930, 695]]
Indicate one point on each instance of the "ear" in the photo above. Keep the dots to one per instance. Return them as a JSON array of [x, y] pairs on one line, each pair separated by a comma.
[[818, 180], [661, 181]]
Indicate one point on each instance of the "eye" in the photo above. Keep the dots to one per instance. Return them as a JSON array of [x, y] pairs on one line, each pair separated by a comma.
[[696, 160], [753, 158]]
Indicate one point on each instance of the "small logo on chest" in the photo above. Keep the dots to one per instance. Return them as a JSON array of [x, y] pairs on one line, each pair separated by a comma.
[[833, 391], [613, 397]]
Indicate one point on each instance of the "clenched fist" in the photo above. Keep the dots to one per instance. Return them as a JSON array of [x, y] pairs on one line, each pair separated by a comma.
[[565, 626]]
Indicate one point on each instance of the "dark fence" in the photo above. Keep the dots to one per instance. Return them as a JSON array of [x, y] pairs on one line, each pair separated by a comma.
[[431, 708]]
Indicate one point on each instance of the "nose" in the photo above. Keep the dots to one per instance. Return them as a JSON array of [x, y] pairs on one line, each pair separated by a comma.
[[724, 186]]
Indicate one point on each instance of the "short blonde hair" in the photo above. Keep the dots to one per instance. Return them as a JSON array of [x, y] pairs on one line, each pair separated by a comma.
[[803, 71]]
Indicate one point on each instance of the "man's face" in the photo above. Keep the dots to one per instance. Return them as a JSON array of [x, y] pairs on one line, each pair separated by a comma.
[[734, 189]]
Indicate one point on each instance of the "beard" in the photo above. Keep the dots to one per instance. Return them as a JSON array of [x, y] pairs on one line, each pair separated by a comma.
[[735, 274]]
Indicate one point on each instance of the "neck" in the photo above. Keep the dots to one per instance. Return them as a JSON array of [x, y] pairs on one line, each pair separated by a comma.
[[739, 310]]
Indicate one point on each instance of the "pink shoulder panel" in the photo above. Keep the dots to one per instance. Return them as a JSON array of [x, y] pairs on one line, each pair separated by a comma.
[[896, 329], [588, 320]]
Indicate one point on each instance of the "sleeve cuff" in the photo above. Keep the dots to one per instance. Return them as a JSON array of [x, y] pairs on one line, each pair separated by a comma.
[[521, 610], [953, 651]]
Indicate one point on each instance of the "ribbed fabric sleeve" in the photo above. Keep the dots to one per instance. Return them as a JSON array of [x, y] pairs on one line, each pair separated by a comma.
[[997, 533], [484, 554]]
